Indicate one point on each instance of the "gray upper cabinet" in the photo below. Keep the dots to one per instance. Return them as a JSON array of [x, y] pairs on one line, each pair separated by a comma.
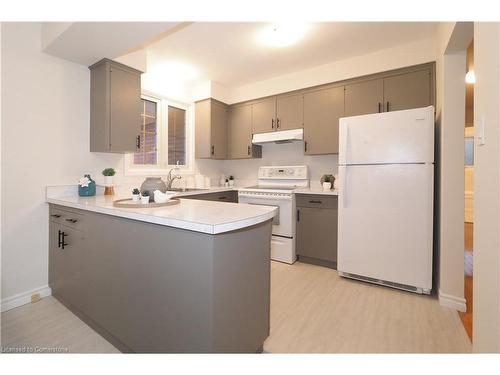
[[322, 110], [289, 112], [264, 115], [409, 90], [115, 107], [240, 134], [365, 97], [210, 129]]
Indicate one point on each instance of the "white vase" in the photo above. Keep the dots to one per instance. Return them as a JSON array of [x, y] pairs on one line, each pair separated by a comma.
[[327, 185], [144, 199], [136, 197], [231, 183], [108, 180]]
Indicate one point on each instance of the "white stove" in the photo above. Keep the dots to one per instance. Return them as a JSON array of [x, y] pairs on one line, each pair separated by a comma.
[[275, 188]]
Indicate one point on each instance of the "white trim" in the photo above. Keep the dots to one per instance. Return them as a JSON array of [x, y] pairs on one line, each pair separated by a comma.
[[453, 302], [162, 168], [24, 298]]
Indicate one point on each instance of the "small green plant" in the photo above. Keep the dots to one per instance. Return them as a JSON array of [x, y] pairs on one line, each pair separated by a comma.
[[136, 191], [231, 177], [108, 172], [328, 178]]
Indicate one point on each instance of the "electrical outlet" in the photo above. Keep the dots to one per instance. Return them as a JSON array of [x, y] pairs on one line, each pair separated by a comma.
[[35, 298]]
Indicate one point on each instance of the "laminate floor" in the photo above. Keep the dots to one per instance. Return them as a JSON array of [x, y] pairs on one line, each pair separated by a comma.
[[313, 310]]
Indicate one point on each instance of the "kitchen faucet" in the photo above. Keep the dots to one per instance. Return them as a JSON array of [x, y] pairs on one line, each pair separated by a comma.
[[171, 179]]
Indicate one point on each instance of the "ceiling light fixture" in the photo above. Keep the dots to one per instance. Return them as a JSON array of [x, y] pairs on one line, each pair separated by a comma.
[[470, 77], [282, 34]]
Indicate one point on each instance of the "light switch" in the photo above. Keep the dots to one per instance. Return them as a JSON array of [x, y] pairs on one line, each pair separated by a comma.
[[481, 140]]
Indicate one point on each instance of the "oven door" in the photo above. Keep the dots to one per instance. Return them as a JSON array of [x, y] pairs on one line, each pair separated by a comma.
[[283, 220]]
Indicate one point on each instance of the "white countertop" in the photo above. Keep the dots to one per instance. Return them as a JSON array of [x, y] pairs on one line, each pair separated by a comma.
[[316, 190], [196, 215]]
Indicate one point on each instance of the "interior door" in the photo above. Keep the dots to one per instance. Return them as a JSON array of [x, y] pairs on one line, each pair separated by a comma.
[[289, 112], [364, 97], [322, 111], [409, 90], [386, 222], [264, 115]]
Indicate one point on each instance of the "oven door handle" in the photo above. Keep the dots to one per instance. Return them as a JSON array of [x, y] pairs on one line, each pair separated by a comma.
[[264, 198]]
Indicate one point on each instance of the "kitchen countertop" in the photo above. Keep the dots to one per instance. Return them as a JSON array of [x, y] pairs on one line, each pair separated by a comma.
[[316, 190], [196, 215]]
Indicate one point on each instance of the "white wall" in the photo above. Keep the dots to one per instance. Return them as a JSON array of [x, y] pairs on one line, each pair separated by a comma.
[[486, 334], [45, 141]]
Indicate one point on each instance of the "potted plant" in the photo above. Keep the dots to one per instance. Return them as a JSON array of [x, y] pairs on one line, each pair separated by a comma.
[[231, 181], [108, 174], [145, 197], [327, 181], [86, 186], [136, 195]]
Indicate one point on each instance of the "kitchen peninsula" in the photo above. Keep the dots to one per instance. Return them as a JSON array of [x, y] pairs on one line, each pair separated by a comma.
[[193, 277]]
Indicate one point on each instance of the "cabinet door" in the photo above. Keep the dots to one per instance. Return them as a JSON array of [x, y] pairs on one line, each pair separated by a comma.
[[240, 132], [289, 112], [364, 97], [203, 143], [219, 131], [264, 116], [322, 110], [406, 91], [317, 233], [125, 109]]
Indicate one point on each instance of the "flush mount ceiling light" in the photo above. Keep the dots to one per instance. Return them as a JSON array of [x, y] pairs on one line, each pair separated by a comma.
[[282, 34], [470, 77]]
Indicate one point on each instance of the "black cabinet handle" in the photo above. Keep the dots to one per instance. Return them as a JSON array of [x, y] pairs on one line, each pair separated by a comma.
[[248, 150], [277, 123], [298, 215], [56, 216], [388, 110], [305, 146], [138, 142], [272, 123], [72, 220], [59, 239], [316, 202], [222, 197], [213, 150], [379, 107], [62, 240]]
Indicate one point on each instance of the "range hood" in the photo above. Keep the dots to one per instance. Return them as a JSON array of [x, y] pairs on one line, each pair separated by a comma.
[[283, 136]]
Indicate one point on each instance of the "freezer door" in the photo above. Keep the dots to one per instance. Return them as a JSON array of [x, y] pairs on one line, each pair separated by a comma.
[[385, 222], [392, 137]]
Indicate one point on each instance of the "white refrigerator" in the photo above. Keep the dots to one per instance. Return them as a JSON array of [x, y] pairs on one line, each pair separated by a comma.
[[386, 178]]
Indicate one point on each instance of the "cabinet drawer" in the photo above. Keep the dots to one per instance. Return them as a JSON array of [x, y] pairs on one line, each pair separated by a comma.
[[225, 196], [316, 201], [65, 217]]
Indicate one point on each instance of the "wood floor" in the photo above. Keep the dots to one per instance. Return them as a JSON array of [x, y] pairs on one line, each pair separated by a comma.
[[313, 310], [466, 316]]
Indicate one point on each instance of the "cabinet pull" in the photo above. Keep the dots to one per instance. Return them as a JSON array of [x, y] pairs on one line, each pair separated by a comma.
[[248, 150], [59, 239], [379, 107], [222, 197], [388, 110], [60, 242], [316, 202], [305, 146], [56, 216], [277, 123], [298, 215], [138, 142], [272, 123], [213, 150], [74, 221]]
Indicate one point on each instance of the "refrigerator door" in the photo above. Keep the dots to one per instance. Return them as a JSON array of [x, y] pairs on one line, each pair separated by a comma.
[[385, 222], [392, 137]]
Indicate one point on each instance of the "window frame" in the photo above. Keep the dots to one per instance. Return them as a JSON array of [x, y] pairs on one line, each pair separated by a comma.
[[162, 167]]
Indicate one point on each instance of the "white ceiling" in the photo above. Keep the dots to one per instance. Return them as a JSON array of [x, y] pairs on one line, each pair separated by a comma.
[[228, 52]]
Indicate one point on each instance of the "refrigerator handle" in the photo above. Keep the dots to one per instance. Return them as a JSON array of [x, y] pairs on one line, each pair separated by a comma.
[[343, 142], [343, 185]]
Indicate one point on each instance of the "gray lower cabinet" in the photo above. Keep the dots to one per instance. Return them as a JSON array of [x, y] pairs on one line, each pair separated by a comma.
[[154, 289], [240, 134], [223, 196], [210, 129], [115, 107], [322, 110], [408, 90], [316, 234]]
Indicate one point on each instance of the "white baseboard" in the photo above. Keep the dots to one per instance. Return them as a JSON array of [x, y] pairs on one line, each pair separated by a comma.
[[453, 302], [24, 298]]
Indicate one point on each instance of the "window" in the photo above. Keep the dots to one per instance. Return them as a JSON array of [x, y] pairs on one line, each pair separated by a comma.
[[165, 138]]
